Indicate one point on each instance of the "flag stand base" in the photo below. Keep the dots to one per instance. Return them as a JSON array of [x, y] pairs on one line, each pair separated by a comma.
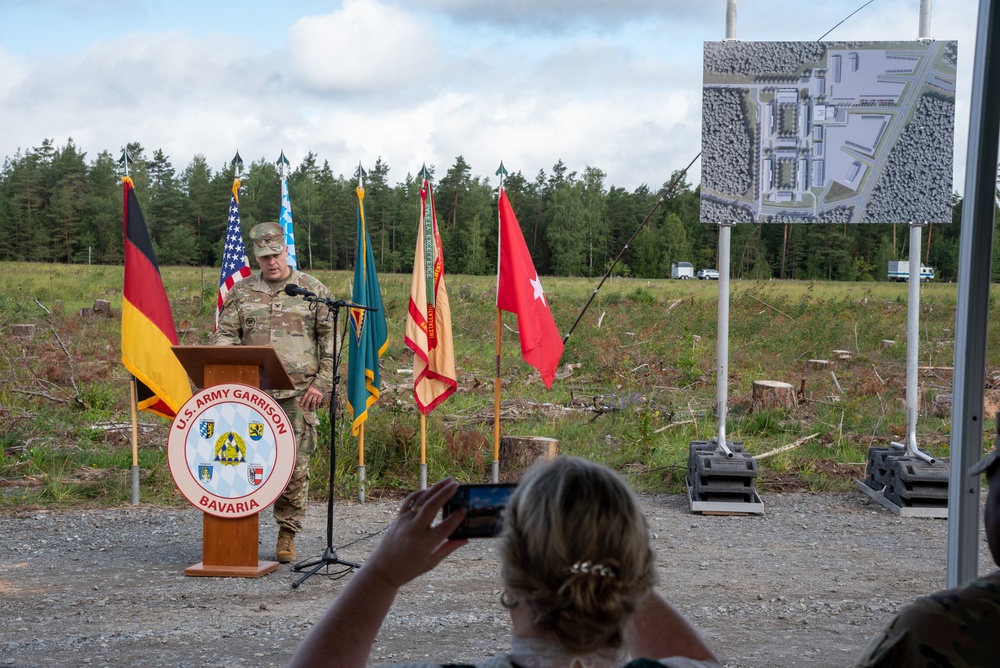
[[135, 485]]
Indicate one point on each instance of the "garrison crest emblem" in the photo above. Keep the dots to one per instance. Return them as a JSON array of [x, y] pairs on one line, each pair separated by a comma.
[[255, 430], [255, 474], [230, 449]]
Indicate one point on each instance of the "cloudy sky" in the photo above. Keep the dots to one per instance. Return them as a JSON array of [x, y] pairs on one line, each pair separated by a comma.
[[610, 83]]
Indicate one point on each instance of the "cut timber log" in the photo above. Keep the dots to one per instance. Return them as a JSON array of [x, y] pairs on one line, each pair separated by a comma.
[[768, 394], [517, 453]]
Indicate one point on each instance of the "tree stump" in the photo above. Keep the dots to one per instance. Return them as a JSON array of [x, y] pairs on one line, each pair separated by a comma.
[[23, 331], [517, 453], [102, 307], [942, 405], [768, 394], [818, 364]]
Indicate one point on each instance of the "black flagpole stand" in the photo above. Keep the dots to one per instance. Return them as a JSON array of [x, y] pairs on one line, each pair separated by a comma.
[[329, 558]]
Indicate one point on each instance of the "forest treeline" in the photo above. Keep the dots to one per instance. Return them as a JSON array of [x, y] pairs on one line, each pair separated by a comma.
[[58, 206]]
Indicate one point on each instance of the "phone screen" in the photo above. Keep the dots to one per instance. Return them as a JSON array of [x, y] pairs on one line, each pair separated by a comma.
[[485, 504]]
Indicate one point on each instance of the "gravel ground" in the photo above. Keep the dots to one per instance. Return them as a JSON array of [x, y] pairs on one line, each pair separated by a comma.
[[806, 583]]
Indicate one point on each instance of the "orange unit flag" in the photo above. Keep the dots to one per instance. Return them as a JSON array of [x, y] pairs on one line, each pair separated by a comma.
[[428, 319]]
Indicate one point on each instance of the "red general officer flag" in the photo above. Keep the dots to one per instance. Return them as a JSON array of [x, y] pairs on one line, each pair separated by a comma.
[[520, 292]]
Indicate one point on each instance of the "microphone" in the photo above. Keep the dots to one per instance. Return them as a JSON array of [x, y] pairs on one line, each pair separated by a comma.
[[293, 290]]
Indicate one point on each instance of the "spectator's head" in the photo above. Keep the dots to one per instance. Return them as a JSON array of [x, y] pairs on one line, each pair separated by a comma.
[[575, 549]]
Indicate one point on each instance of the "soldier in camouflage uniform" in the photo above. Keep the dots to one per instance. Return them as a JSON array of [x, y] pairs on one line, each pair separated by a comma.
[[956, 627], [257, 312]]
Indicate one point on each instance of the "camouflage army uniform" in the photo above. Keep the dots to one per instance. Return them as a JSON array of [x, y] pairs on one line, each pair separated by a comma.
[[260, 314], [949, 629]]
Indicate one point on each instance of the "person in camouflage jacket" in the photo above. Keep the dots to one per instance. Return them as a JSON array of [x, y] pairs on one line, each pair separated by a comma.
[[257, 312], [957, 627]]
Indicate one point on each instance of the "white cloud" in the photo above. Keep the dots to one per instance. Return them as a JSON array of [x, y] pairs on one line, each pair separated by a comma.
[[151, 88], [364, 47], [12, 75], [562, 15], [376, 78]]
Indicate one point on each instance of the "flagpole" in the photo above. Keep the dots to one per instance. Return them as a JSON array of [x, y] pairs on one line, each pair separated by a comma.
[[425, 175], [501, 172], [134, 400], [423, 451], [133, 393], [361, 463], [496, 405], [428, 320]]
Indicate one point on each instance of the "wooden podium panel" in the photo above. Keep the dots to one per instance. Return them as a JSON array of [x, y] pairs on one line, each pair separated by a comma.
[[196, 360], [230, 545], [217, 374], [229, 549]]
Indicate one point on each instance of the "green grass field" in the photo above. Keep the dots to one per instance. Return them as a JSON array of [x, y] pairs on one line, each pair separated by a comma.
[[638, 381]]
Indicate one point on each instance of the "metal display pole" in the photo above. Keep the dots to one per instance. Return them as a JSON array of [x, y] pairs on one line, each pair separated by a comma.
[[902, 478], [972, 310], [722, 346], [913, 347], [913, 301], [721, 476]]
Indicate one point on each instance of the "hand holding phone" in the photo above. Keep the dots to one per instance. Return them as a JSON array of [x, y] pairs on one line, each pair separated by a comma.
[[485, 504]]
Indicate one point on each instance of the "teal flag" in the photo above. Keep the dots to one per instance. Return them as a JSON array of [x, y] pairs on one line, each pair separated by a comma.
[[368, 338]]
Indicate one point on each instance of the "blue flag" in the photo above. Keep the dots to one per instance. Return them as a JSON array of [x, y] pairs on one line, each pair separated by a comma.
[[367, 338], [286, 224]]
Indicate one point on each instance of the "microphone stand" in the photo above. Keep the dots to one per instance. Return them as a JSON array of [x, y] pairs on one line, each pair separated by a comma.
[[329, 558]]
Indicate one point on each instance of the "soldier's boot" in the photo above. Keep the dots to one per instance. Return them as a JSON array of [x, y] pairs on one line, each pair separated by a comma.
[[285, 551]]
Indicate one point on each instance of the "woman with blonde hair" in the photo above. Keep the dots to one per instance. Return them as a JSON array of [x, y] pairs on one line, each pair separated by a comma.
[[577, 568]]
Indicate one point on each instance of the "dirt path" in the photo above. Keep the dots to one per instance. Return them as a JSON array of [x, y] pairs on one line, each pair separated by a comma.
[[807, 583]]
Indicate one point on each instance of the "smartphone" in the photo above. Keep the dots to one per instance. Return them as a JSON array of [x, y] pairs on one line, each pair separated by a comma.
[[485, 503]]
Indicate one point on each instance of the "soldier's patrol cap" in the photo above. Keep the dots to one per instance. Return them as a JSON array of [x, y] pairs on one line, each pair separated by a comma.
[[268, 239]]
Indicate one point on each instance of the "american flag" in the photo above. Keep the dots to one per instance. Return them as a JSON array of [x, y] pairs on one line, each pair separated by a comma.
[[235, 266]]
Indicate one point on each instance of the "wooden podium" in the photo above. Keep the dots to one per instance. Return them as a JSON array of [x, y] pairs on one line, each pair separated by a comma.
[[230, 546]]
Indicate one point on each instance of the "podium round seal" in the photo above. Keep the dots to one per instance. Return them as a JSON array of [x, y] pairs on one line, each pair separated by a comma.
[[231, 450]]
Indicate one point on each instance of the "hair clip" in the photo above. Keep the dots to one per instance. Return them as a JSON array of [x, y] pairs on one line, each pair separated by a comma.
[[588, 568]]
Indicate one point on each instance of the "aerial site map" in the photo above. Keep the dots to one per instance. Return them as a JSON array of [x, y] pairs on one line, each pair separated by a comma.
[[828, 132]]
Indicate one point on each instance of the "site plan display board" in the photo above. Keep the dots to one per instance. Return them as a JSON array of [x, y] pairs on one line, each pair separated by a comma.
[[828, 132]]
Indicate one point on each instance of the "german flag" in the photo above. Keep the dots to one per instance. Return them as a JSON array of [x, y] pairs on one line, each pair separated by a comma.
[[147, 323]]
